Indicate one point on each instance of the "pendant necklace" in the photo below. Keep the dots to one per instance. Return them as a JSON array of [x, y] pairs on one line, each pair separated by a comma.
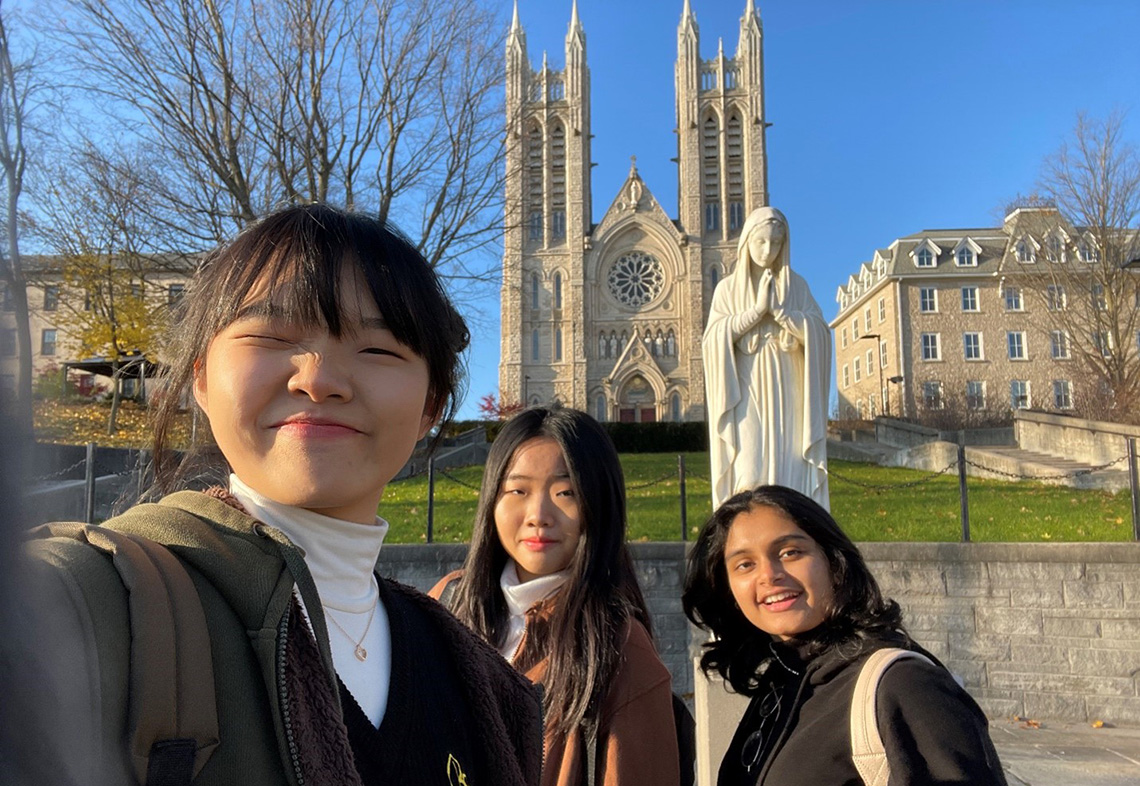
[[357, 646], [779, 660]]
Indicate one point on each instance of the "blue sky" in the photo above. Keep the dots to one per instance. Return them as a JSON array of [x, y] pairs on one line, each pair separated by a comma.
[[889, 117]]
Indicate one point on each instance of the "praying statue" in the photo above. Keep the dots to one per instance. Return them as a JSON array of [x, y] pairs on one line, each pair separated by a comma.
[[767, 358]]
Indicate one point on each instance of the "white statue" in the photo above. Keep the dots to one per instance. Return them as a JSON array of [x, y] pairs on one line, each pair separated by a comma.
[[767, 357]]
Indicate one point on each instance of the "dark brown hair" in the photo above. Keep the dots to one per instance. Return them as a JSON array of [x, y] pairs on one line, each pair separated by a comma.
[[601, 592], [858, 609], [299, 254]]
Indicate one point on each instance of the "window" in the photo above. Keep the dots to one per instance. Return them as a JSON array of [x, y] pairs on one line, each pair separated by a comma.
[[1059, 344], [843, 338], [927, 300], [1019, 393], [600, 408], [867, 319], [924, 257], [534, 176], [1089, 252], [870, 361], [712, 217], [1102, 343], [558, 290], [973, 345], [966, 258], [846, 376], [174, 294], [8, 342], [734, 155], [969, 298], [932, 394], [1024, 251], [534, 285], [558, 182], [1015, 339], [1099, 303], [882, 310], [534, 345], [710, 171], [1062, 394], [47, 342], [883, 353], [558, 224], [931, 346], [136, 290], [855, 328], [975, 395], [1055, 299], [1055, 249], [536, 225], [51, 297], [714, 276], [558, 344], [675, 407], [855, 365], [1012, 299]]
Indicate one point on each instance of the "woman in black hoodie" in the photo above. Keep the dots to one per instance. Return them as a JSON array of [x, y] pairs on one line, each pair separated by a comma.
[[795, 615]]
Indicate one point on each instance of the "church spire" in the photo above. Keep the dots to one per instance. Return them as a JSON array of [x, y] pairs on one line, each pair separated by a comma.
[[688, 19], [515, 18], [575, 34]]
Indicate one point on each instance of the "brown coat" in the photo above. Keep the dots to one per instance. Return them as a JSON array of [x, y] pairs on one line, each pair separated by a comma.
[[636, 729]]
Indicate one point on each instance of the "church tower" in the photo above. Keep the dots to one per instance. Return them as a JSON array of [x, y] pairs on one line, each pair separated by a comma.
[[608, 317], [548, 218]]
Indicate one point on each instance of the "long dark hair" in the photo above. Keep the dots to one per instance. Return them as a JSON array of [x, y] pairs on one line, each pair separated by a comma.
[[583, 642], [299, 254], [858, 609]]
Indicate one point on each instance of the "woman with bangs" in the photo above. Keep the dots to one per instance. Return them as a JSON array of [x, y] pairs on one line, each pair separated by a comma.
[[549, 582], [320, 347]]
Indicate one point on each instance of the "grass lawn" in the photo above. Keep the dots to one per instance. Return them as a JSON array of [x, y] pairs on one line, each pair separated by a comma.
[[927, 511]]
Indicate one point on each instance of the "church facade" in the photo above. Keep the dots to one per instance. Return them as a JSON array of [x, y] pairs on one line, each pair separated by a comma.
[[608, 317]]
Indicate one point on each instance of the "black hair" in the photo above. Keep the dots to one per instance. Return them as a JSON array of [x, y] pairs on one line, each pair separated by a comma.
[[601, 593], [299, 254], [858, 609]]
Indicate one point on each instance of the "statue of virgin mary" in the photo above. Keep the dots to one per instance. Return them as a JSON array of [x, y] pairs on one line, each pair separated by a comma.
[[767, 359]]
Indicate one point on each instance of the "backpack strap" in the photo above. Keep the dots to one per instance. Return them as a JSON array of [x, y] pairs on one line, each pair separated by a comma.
[[173, 716], [867, 751], [447, 594]]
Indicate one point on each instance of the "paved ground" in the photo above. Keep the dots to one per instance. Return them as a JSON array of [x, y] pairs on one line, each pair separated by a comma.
[[1060, 754]]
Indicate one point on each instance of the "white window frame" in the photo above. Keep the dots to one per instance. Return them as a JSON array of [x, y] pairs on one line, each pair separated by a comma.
[[1015, 339], [843, 337], [867, 319], [856, 370], [931, 347], [978, 397], [883, 353], [1056, 299], [1059, 345], [846, 376], [1014, 294], [928, 296], [978, 351], [855, 329], [932, 397], [870, 361], [882, 310], [1062, 394], [972, 306], [1023, 391]]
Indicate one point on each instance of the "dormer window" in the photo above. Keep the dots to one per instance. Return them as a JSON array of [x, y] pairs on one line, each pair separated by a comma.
[[967, 253], [1026, 250], [924, 258], [1055, 249], [926, 254], [1088, 251]]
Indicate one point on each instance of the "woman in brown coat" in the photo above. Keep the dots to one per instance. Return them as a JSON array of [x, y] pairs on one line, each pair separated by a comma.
[[549, 582]]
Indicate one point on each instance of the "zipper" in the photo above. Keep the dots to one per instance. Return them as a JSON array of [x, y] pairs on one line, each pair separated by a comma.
[[283, 698]]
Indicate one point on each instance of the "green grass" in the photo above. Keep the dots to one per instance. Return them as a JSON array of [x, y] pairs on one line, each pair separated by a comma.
[[926, 511]]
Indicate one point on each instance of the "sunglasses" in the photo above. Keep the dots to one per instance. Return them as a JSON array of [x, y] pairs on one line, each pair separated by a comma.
[[756, 742]]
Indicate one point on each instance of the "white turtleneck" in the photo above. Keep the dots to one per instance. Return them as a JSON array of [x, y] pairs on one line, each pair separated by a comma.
[[520, 596], [341, 555]]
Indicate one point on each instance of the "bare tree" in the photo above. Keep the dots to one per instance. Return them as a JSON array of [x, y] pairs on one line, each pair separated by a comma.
[[18, 89], [1087, 275], [388, 106]]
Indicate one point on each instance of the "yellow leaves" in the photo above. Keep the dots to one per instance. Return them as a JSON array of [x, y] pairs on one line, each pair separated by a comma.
[[1027, 723], [1098, 724]]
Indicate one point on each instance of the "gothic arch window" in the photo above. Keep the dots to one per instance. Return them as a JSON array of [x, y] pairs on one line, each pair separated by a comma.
[[714, 277], [534, 182], [534, 289], [558, 344], [558, 182], [710, 171], [600, 408], [635, 279], [735, 148], [671, 345], [558, 290], [675, 407]]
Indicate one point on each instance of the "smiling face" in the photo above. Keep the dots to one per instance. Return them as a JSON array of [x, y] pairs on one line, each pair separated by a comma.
[[778, 574], [536, 514], [765, 242], [310, 419]]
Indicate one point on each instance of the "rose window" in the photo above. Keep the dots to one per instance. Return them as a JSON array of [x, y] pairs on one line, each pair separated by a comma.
[[636, 279]]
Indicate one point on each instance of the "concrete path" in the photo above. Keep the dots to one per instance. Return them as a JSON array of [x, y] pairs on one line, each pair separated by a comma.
[[1060, 754]]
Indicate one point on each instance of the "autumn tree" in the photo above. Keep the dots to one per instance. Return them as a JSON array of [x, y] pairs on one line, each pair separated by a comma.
[[387, 106], [1087, 270]]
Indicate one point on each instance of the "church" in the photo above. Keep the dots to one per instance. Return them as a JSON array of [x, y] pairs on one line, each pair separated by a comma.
[[608, 317]]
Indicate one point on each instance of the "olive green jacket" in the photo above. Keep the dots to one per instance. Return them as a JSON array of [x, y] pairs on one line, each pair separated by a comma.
[[245, 573]]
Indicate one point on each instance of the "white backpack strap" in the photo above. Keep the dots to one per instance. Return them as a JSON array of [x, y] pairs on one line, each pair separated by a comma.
[[867, 750]]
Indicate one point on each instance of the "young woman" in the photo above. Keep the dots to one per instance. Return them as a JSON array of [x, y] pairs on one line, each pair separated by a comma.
[[320, 347], [795, 614], [549, 583]]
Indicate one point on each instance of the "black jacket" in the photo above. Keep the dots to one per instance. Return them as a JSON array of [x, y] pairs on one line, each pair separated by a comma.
[[933, 731]]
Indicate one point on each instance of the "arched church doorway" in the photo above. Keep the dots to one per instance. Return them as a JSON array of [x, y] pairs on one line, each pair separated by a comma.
[[637, 403]]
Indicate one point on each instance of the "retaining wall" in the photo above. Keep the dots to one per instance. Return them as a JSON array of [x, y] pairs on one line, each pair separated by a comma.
[[1090, 441]]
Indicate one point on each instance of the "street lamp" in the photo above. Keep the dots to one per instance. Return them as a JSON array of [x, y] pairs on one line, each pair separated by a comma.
[[879, 363], [897, 379]]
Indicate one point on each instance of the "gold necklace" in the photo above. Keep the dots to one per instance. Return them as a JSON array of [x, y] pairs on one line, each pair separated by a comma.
[[357, 646]]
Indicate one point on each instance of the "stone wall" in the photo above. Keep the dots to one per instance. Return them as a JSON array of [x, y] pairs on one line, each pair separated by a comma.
[[1090, 441], [1047, 630]]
